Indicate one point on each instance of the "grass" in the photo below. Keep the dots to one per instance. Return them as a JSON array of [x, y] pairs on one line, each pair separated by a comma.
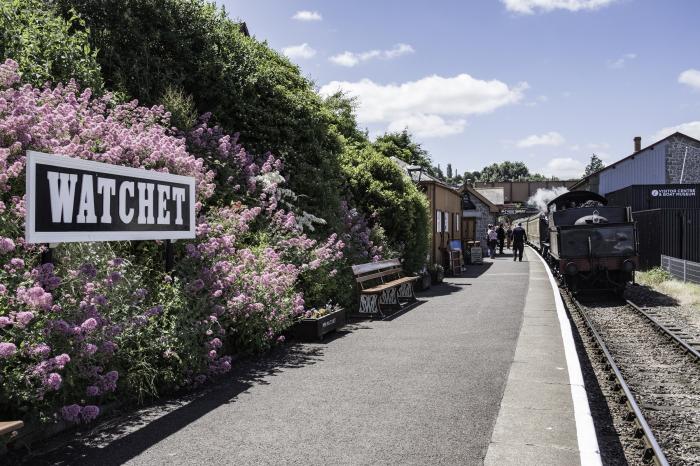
[[687, 294]]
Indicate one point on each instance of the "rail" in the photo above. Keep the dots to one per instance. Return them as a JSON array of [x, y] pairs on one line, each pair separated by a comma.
[[669, 333], [653, 450]]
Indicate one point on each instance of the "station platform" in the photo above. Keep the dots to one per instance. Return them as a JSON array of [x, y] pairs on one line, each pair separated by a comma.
[[477, 372]]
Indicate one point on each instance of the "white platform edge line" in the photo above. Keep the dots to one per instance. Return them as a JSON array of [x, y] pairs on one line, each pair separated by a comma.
[[585, 430]]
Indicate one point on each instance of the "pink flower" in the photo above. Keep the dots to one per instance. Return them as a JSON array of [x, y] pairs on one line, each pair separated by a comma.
[[7, 349], [89, 412], [90, 349], [53, 381], [6, 245], [23, 318], [89, 325], [71, 412], [92, 390]]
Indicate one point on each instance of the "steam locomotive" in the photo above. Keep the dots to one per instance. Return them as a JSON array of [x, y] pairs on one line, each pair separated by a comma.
[[587, 243]]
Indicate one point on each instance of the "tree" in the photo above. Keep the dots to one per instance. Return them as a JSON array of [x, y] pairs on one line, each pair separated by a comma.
[[46, 46], [505, 171], [449, 171], [595, 165], [383, 190], [146, 47], [402, 146]]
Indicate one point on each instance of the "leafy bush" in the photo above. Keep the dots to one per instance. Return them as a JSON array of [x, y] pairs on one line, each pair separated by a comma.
[[47, 47], [656, 276], [383, 189]]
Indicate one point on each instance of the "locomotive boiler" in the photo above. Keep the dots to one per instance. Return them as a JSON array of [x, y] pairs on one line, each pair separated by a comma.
[[587, 243]]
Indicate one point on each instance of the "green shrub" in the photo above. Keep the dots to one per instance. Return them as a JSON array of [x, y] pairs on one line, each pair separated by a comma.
[[656, 276], [46, 46]]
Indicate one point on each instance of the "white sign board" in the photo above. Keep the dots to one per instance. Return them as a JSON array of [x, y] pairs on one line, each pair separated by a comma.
[[72, 200]]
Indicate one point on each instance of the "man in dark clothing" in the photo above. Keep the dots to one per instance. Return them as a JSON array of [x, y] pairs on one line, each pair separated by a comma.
[[501, 232], [519, 238]]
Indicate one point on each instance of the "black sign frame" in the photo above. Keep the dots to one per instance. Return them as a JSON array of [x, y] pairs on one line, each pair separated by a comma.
[[172, 198]]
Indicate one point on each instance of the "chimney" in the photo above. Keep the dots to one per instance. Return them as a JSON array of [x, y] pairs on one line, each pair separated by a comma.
[[637, 143]]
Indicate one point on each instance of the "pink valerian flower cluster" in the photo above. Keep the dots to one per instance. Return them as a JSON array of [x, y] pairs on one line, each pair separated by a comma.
[[77, 413]]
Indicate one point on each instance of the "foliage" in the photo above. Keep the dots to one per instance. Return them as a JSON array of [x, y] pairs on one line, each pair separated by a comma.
[[145, 46], [380, 186], [595, 165], [104, 318], [656, 276], [402, 146], [508, 171], [47, 47]]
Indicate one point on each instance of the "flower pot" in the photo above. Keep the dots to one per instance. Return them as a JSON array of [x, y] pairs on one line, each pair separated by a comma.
[[315, 329]]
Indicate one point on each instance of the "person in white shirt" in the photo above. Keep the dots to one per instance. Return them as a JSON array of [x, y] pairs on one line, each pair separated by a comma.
[[493, 241]]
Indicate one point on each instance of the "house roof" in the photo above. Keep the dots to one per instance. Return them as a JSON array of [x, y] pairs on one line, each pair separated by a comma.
[[495, 195], [473, 192], [585, 178]]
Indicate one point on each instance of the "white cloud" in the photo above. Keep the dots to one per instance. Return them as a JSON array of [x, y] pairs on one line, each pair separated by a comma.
[[306, 15], [622, 61], [691, 78], [692, 129], [433, 106], [299, 51], [351, 59], [548, 139], [428, 126], [564, 168], [529, 7]]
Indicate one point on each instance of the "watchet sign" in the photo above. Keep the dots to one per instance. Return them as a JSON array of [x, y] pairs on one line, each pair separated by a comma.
[[71, 200]]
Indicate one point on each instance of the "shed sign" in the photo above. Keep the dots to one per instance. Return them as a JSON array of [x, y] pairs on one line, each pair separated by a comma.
[[673, 192], [71, 200]]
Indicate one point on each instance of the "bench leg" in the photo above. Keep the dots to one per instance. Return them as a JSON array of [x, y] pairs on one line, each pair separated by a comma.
[[369, 304], [406, 292], [390, 297]]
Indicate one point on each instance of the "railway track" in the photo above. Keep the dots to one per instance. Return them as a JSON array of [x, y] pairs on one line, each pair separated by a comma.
[[656, 373]]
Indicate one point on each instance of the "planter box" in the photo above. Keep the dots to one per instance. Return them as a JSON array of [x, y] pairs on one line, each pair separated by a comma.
[[315, 329]]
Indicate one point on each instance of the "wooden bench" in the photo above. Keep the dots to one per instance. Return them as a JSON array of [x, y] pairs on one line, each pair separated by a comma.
[[10, 427], [383, 285]]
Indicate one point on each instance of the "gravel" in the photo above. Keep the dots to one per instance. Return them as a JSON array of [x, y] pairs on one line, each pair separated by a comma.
[[664, 380]]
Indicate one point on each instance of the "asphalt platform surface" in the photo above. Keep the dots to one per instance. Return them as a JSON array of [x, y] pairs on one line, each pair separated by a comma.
[[422, 388]]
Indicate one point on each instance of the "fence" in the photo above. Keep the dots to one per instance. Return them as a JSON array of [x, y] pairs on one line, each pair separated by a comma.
[[687, 271]]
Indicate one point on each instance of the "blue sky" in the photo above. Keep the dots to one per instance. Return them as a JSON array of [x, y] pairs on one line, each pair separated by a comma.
[[547, 82]]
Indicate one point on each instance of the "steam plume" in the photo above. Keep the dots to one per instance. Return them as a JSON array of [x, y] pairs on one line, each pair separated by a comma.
[[544, 196]]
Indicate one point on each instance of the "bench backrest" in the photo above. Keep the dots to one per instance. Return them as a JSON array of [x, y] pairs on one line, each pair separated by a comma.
[[376, 270]]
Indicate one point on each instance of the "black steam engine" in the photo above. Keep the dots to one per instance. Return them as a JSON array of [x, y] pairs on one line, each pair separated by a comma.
[[588, 244]]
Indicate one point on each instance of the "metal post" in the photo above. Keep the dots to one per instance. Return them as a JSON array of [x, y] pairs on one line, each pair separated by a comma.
[[169, 256], [47, 255]]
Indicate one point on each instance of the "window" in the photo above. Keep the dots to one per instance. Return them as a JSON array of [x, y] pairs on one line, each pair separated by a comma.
[[447, 221], [456, 222], [438, 221]]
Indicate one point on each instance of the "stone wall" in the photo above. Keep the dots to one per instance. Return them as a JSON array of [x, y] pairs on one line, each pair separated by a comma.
[[483, 221], [675, 153]]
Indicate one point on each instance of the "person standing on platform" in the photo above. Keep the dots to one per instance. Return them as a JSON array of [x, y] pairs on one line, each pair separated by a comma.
[[501, 235], [509, 235], [493, 241], [519, 238]]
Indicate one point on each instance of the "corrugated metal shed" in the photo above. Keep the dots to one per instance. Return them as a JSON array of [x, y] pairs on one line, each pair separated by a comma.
[[672, 232], [645, 167], [657, 196]]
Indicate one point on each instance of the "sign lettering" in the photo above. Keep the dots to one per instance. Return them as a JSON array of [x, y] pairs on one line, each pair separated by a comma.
[[70, 200], [673, 192]]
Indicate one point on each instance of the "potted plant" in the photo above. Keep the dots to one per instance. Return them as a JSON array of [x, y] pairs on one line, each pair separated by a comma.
[[316, 322], [424, 281], [437, 273]]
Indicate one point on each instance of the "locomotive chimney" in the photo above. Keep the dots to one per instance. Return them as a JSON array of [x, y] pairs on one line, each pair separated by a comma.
[[637, 143]]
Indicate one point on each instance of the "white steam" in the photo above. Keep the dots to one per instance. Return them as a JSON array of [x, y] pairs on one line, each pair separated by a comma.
[[544, 196]]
